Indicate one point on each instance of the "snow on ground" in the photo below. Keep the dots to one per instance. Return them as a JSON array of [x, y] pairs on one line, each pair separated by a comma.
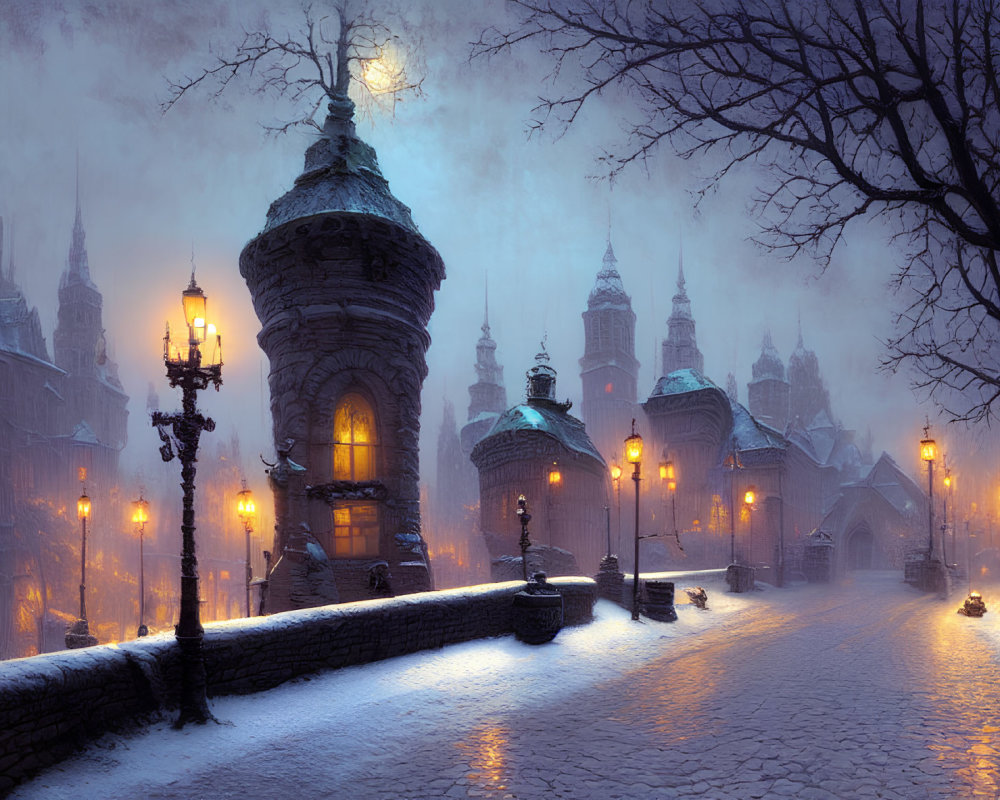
[[489, 677], [496, 675]]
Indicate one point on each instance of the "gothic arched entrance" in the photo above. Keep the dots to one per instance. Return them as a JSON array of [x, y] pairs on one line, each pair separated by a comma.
[[860, 546]]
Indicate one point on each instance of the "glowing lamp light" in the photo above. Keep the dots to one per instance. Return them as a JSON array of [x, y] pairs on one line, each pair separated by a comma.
[[83, 506], [244, 504], [140, 511], [522, 505], [663, 471], [616, 472], [750, 496], [633, 448], [555, 477], [671, 485], [194, 302], [947, 479], [928, 449]]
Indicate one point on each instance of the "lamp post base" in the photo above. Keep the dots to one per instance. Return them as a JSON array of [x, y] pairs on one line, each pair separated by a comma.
[[79, 636]]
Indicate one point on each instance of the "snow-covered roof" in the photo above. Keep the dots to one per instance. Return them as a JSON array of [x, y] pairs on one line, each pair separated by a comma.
[[750, 433], [341, 174], [550, 419], [682, 381]]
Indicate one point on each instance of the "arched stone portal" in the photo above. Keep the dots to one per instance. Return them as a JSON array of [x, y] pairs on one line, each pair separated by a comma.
[[860, 545]]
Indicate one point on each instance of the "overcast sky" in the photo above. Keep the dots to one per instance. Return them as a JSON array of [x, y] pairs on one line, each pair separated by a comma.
[[90, 77]]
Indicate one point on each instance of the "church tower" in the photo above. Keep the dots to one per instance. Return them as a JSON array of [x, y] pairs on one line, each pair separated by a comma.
[[487, 396], [95, 401], [767, 393], [807, 394], [609, 369], [343, 284], [680, 349]]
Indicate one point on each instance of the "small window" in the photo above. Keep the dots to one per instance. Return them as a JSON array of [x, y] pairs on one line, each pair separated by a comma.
[[355, 530], [609, 388]]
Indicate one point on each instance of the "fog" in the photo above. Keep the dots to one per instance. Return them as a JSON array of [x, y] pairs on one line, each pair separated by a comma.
[[523, 214]]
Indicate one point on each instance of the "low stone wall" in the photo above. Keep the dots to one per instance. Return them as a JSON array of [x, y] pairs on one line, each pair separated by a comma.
[[53, 703]]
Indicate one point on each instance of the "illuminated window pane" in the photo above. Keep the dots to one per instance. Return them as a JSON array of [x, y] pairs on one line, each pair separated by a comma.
[[355, 530], [353, 440]]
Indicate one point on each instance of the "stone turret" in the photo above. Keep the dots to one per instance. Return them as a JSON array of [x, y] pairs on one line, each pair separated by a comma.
[[808, 397], [767, 393], [343, 284]]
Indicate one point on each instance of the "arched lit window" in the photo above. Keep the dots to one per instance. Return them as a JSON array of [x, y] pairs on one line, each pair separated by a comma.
[[355, 524], [354, 440]]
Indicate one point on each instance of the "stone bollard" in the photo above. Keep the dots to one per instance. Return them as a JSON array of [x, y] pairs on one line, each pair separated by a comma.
[[610, 580]]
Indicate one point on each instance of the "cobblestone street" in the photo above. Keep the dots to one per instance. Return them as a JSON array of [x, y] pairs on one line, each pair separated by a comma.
[[864, 690]]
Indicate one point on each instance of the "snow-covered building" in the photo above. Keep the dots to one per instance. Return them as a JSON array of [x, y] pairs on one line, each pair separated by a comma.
[[56, 416], [538, 449], [876, 519], [343, 284]]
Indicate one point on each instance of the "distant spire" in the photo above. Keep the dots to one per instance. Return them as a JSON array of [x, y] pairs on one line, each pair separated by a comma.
[[731, 389], [79, 267], [193, 283], [11, 266], [801, 345], [486, 309], [610, 261], [680, 268]]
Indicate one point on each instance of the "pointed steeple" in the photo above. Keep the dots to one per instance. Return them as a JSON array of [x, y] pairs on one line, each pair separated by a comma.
[[680, 270], [486, 311], [608, 290], [78, 266], [487, 394], [680, 348]]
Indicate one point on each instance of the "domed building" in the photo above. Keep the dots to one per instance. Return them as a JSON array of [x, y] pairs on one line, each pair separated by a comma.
[[539, 450], [343, 284]]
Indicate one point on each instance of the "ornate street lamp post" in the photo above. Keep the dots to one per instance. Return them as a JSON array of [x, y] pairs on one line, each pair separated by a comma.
[[140, 516], [525, 518], [633, 454], [246, 509], [944, 521], [928, 452], [192, 370], [616, 477], [749, 498], [79, 634], [669, 477], [732, 463]]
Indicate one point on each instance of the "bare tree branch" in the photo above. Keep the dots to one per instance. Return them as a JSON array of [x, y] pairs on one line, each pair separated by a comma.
[[311, 65], [855, 108]]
